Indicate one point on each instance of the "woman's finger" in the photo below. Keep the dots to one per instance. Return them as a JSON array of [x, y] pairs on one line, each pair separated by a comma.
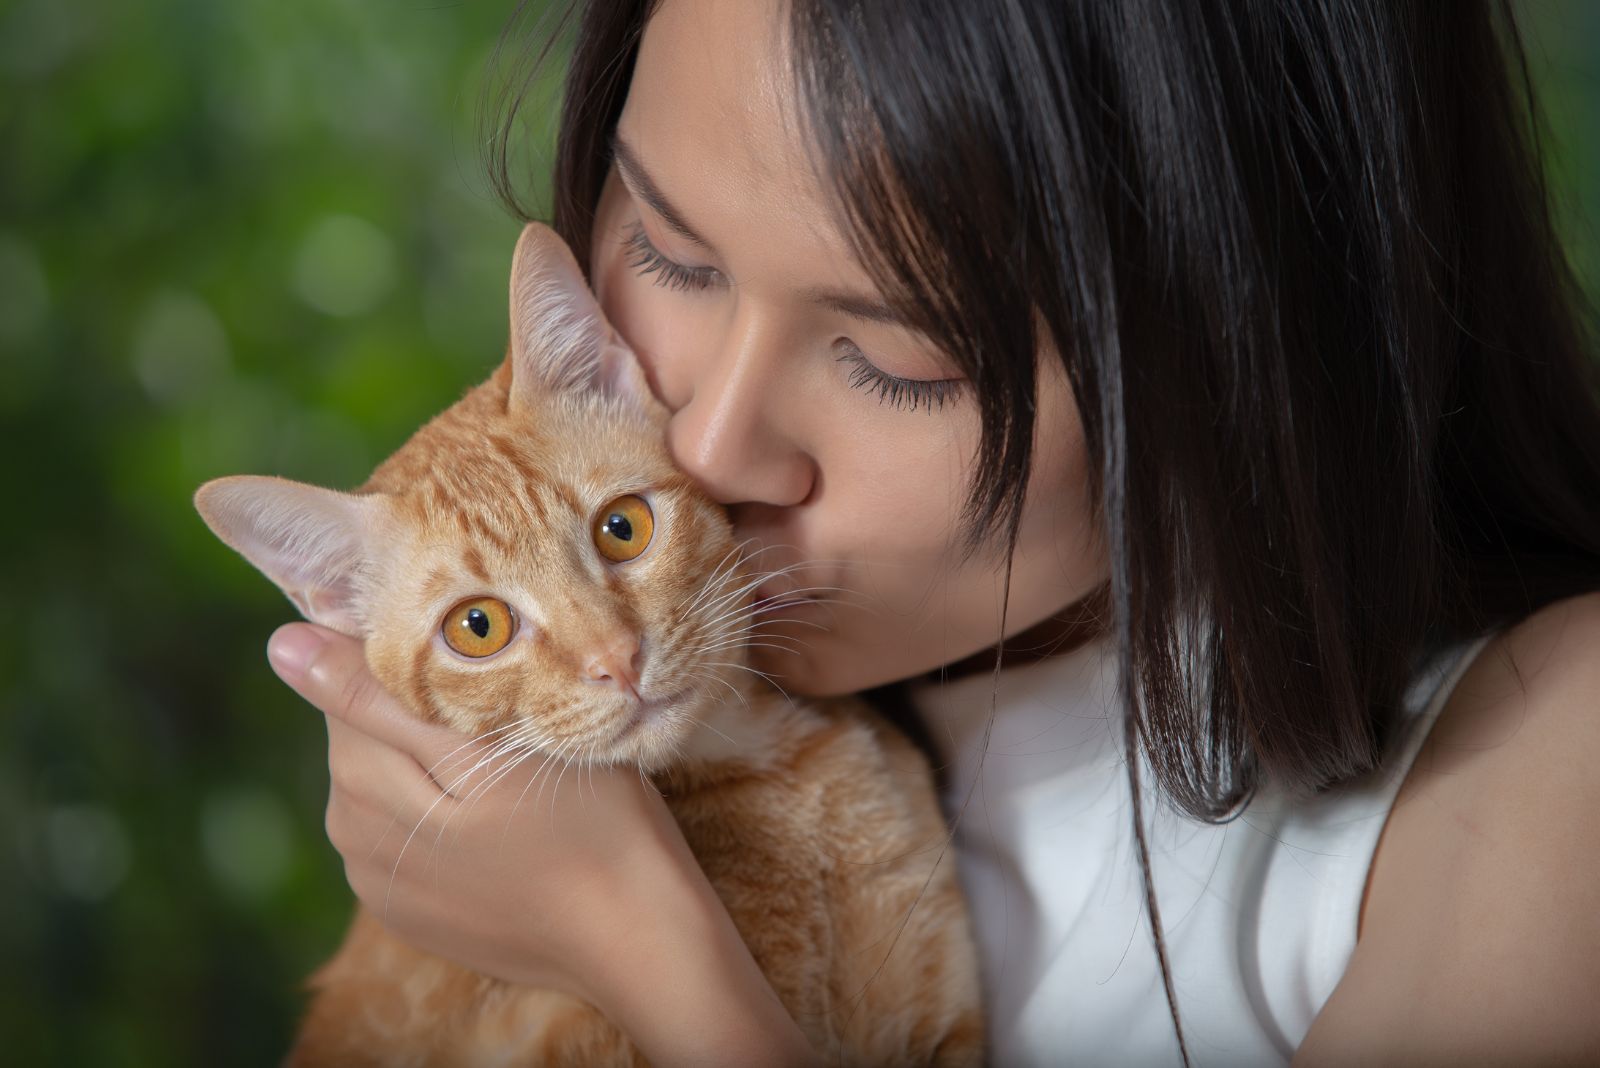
[[330, 670]]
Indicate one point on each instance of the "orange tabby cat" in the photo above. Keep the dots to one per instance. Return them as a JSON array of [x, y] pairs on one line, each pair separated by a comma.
[[534, 539]]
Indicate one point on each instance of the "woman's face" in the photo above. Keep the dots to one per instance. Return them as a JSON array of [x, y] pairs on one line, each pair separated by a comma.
[[839, 439]]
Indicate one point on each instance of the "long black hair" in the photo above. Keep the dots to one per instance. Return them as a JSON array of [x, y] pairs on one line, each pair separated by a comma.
[[1335, 373]]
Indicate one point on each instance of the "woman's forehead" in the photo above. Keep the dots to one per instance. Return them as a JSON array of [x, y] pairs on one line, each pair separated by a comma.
[[729, 59], [713, 119]]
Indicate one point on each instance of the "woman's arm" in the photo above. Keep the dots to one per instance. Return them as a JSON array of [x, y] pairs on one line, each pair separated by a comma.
[[580, 882], [1480, 934]]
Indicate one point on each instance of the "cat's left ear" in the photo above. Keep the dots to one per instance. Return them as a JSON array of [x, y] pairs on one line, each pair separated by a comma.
[[560, 338], [313, 542]]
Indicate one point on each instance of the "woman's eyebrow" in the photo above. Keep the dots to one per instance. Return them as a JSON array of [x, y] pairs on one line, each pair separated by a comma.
[[641, 185], [858, 306]]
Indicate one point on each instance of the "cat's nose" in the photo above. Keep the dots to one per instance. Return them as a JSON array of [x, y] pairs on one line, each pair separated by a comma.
[[616, 663]]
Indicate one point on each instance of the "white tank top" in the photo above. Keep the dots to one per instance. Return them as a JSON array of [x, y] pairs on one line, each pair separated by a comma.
[[1259, 914]]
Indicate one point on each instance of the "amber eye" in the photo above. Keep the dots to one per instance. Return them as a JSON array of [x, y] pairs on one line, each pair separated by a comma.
[[479, 627], [623, 529]]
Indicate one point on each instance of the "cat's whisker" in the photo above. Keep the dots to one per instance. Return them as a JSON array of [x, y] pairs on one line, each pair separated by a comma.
[[484, 757], [756, 625], [771, 681], [702, 723], [752, 624], [750, 629], [481, 756], [555, 791], [553, 756], [746, 644], [697, 721], [478, 793], [482, 740], [731, 554], [520, 739], [718, 679], [518, 803], [536, 774], [568, 752], [730, 636], [784, 599], [527, 745], [741, 619], [430, 776], [720, 578], [476, 739], [712, 676], [734, 596], [755, 631], [529, 741], [753, 581], [540, 776], [395, 871], [765, 641], [465, 789], [804, 593]]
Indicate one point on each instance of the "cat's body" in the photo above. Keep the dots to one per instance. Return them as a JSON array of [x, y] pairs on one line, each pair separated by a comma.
[[816, 822], [819, 847]]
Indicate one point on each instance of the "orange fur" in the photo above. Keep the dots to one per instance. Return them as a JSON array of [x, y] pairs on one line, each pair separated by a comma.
[[819, 828]]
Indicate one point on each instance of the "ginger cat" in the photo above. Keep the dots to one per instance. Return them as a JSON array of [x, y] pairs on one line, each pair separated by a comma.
[[532, 540]]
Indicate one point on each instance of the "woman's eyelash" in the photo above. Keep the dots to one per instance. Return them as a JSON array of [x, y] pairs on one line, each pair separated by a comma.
[[904, 393], [644, 258], [908, 393]]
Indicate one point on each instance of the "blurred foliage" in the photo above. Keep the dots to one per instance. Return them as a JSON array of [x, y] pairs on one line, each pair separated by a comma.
[[246, 236]]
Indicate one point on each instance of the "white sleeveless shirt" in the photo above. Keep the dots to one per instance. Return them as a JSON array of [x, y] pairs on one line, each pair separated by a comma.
[[1259, 914]]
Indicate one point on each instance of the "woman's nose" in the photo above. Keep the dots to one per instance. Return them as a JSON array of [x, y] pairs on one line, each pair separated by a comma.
[[735, 436]]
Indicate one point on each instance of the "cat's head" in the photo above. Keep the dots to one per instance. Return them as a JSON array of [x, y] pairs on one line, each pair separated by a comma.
[[530, 560]]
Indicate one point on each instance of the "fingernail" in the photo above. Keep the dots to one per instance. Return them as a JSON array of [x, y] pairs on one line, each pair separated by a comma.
[[291, 649]]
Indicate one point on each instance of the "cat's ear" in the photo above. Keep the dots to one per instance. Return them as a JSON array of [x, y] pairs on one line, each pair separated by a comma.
[[311, 541], [560, 338]]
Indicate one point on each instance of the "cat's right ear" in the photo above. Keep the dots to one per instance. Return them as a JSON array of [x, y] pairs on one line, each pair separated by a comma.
[[560, 339], [311, 541]]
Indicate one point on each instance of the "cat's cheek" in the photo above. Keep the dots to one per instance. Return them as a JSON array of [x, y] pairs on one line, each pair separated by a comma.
[[474, 697], [654, 748]]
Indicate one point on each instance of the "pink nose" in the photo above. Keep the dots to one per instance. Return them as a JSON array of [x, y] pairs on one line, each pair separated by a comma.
[[616, 663]]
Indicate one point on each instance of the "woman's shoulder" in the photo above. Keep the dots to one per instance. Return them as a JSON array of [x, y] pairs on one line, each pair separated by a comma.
[[1480, 932]]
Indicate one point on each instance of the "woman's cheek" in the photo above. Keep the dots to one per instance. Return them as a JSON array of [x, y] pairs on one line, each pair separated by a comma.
[[899, 495]]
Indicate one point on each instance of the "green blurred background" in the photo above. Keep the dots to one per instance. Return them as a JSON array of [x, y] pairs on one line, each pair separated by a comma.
[[250, 236]]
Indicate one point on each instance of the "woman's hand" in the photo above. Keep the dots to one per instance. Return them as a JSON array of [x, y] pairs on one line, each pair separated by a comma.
[[579, 882]]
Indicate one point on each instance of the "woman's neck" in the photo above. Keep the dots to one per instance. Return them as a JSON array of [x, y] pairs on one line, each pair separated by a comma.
[[1066, 630]]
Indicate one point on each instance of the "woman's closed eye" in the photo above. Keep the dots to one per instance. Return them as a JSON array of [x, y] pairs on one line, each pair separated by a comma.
[[648, 261], [893, 390], [907, 393]]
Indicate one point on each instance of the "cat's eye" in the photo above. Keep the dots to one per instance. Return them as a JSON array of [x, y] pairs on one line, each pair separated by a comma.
[[622, 529], [480, 627]]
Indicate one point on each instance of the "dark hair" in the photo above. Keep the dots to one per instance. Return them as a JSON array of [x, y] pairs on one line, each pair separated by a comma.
[[1335, 373]]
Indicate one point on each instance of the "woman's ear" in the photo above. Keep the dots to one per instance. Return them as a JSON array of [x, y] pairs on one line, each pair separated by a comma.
[[312, 542], [560, 339]]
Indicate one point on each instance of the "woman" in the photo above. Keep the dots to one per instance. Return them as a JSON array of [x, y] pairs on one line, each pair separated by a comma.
[[1221, 349]]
